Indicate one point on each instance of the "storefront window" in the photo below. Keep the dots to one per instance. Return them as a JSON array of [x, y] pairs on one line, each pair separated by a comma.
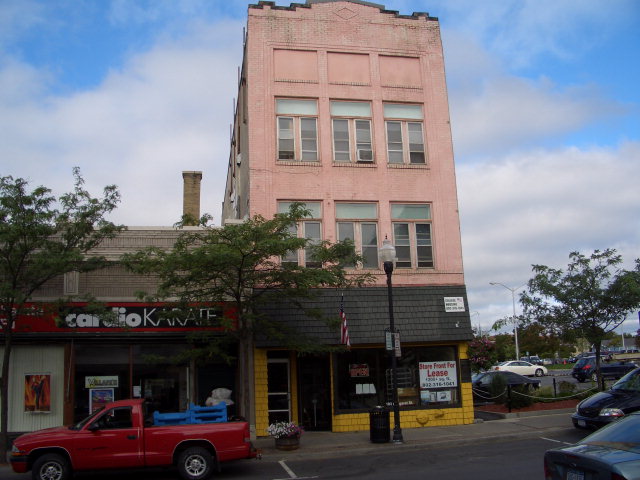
[[102, 375], [428, 377], [158, 379]]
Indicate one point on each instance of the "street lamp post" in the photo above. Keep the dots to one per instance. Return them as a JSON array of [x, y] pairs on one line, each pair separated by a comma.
[[515, 320], [388, 256]]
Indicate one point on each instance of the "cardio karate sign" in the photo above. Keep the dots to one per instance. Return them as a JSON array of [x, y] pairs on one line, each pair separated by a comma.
[[438, 374]]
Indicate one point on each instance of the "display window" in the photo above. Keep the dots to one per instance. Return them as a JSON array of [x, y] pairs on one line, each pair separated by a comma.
[[427, 377], [105, 373]]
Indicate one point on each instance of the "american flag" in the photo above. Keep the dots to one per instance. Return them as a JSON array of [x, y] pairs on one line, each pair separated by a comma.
[[344, 337]]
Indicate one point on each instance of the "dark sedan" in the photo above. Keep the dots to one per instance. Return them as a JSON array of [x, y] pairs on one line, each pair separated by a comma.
[[612, 452], [605, 407], [481, 382]]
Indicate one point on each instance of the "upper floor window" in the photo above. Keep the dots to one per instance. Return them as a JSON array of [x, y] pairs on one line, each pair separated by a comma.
[[358, 222], [412, 235], [309, 228], [405, 135], [351, 122], [297, 123]]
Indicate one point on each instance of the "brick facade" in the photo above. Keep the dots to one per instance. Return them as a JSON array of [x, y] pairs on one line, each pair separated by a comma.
[[319, 57]]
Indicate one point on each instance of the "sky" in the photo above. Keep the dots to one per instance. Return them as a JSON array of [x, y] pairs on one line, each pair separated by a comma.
[[544, 98]]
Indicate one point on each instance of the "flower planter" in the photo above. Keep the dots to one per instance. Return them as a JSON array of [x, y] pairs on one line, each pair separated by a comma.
[[288, 443]]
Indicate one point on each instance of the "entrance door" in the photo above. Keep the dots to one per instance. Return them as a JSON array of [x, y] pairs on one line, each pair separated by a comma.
[[315, 392], [278, 390]]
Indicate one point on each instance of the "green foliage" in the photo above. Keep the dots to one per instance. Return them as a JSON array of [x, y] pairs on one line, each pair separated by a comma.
[[240, 263], [566, 389], [43, 237], [590, 299], [522, 396], [505, 348]]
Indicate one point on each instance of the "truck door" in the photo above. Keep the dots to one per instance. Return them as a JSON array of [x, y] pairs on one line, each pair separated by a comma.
[[110, 441]]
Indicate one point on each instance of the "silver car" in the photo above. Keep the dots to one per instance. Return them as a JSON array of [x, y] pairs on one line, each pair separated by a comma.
[[612, 452]]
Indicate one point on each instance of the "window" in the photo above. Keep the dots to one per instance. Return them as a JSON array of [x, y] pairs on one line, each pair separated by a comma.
[[310, 229], [405, 136], [351, 131], [115, 418], [297, 129], [412, 235], [358, 223], [428, 377]]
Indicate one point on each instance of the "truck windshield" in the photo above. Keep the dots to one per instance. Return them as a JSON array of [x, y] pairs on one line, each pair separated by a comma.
[[82, 423]]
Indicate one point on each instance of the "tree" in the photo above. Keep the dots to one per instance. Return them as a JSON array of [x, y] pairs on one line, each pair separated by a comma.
[[42, 237], [481, 353], [589, 300], [240, 264]]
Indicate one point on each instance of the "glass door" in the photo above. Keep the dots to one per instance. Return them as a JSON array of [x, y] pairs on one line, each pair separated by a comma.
[[278, 390]]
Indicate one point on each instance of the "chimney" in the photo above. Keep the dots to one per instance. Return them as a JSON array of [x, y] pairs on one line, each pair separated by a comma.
[[191, 196]]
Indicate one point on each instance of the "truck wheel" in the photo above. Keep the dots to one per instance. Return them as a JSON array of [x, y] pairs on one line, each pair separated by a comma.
[[51, 467], [539, 372], [195, 463]]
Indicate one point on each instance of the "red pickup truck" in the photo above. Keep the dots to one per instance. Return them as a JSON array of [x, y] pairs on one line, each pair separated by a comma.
[[121, 436]]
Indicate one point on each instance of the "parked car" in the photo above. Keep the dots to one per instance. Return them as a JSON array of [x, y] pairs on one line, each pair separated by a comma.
[[121, 435], [612, 452], [481, 382], [603, 408], [534, 359], [585, 368], [521, 367]]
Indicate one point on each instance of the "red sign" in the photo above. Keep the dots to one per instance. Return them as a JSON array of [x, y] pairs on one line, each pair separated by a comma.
[[359, 370], [120, 317]]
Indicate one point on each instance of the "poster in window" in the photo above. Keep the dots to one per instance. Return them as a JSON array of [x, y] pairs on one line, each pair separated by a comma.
[[98, 397], [37, 392]]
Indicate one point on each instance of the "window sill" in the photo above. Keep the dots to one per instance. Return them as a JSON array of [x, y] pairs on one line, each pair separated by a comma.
[[355, 164], [299, 163], [411, 166]]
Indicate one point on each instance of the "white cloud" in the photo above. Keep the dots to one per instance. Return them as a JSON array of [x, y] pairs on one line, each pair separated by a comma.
[[537, 207], [165, 111]]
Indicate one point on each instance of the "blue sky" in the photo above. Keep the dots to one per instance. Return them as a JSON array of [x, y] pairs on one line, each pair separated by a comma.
[[544, 98]]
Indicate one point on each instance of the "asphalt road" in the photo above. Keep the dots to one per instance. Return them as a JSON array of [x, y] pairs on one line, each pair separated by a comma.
[[490, 458]]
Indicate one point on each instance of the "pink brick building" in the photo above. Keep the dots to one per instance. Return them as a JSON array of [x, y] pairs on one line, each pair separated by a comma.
[[343, 105]]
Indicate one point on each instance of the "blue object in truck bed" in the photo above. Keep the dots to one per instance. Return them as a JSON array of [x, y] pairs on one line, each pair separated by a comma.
[[195, 414]]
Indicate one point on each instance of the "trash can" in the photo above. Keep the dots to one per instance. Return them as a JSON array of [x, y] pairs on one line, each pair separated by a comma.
[[379, 427]]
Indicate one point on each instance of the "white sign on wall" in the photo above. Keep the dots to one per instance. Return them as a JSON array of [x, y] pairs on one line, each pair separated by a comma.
[[438, 374], [454, 304]]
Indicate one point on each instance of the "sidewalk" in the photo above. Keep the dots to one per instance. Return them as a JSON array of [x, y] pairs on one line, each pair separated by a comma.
[[327, 444]]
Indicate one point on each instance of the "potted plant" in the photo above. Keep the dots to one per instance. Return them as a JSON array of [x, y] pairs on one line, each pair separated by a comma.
[[286, 434]]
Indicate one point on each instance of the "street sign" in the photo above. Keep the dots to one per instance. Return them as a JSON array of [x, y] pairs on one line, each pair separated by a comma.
[[398, 353], [388, 341]]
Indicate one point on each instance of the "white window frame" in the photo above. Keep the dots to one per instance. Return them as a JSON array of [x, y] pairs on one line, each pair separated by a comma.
[[407, 117], [354, 114], [301, 256], [286, 110], [359, 224], [412, 218]]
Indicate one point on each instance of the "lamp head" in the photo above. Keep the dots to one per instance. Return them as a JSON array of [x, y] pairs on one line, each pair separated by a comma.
[[387, 251]]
